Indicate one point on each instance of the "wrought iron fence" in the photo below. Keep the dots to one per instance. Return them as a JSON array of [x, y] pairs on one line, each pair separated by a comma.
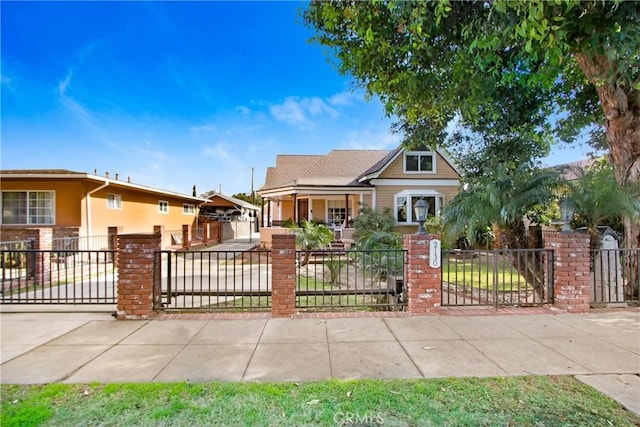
[[515, 277], [213, 280], [74, 243], [58, 277], [332, 280], [615, 276], [16, 245]]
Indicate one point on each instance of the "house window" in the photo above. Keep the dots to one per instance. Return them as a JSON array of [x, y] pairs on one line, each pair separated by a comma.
[[28, 207], [404, 201], [188, 209], [336, 212], [163, 206], [419, 162], [114, 201]]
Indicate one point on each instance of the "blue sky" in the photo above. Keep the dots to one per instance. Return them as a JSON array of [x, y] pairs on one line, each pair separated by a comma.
[[176, 94]]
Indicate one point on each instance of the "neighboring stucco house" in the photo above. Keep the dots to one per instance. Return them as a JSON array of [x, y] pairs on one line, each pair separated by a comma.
[[85, 205], [332, 187]]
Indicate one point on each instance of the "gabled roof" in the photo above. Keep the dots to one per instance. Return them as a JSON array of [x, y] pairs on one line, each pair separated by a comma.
[[67, 174], [233, 200], [375, 170], [288, 169], [338, 168], [572, 171]]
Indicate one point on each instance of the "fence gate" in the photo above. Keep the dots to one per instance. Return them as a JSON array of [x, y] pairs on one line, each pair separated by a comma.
[[511, 277], [212, 280]]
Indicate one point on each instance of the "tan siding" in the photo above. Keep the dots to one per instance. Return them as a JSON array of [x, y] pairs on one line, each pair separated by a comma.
[[287, 209], [443, 170], [319, 210], [385, 194]]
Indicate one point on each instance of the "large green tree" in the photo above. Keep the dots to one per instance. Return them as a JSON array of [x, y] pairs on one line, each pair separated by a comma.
[[572, 66]]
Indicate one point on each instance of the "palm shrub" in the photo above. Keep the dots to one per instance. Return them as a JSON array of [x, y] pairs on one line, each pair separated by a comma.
[[600, 200], [504, 197], [310, 236], [380, 254]]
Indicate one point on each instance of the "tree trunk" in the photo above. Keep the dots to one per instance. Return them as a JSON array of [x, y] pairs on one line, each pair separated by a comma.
[[621, 106]]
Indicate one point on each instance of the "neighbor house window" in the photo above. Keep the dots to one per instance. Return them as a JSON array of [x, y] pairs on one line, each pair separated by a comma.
[[114, 201], [28, 207], [419, 162], [163, 206], [188, 209], [404, 201]]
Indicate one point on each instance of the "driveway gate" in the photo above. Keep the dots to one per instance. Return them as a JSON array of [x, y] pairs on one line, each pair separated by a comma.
[[212, 280]]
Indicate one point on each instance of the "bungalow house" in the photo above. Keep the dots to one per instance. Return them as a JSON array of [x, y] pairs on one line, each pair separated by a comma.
[[77, 204], [332, 187]]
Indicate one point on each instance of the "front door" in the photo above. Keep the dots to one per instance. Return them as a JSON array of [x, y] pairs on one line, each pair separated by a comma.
[[303, 210]]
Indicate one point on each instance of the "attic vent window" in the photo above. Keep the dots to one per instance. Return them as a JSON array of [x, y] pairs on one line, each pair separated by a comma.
[[419, 162]]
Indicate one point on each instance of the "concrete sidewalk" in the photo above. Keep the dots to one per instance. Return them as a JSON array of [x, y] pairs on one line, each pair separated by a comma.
[[601, 349]]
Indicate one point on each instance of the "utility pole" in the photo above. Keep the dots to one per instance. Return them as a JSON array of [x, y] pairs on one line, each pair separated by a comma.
[[253, 196]]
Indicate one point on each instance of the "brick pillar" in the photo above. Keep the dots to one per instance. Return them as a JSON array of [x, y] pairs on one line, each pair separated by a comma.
[[424, 288], [572, 280], [136, 255], [39, 263], [186, 237], [159, 229], [283, 276]]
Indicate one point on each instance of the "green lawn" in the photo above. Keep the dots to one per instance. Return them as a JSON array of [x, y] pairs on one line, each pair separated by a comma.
[[521, 401], [482, 274]]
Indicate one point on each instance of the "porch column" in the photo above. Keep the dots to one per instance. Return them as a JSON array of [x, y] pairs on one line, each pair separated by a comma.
[[269, 213], [295, 208], [346, 211]]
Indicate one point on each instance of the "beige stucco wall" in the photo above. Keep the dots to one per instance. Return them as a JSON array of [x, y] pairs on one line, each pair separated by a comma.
[[139, 212]]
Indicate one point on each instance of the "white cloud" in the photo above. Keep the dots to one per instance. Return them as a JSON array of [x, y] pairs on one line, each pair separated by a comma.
[[297, 111], [344, 99], [371, 140], [64, 84], [216, 152]]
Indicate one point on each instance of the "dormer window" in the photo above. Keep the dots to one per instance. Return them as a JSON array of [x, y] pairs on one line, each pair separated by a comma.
[[419, 162]]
